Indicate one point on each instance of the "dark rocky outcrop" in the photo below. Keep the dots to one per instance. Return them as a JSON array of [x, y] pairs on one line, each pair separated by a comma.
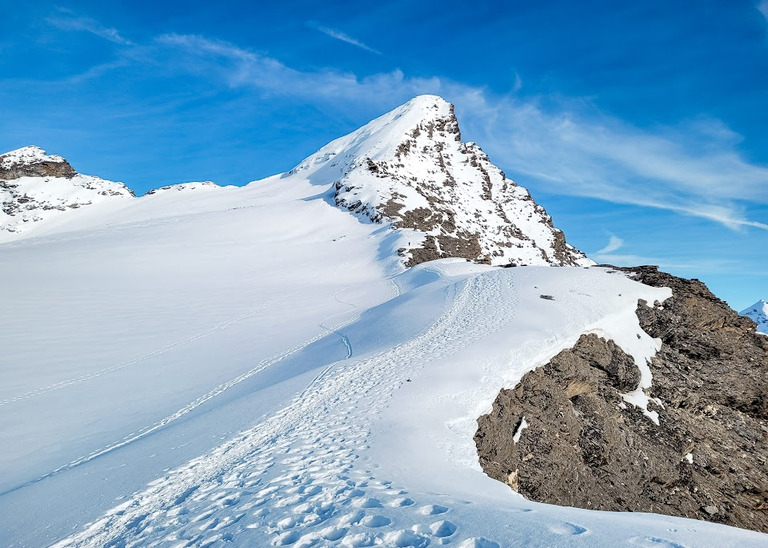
[[41, 168], [583, 446]]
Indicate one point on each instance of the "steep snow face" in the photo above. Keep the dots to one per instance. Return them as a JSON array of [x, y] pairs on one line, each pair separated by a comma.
[[759, 313], [411, 168], [35, 187]]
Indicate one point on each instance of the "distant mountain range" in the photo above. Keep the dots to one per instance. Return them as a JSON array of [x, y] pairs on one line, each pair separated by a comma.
[[408, 168]]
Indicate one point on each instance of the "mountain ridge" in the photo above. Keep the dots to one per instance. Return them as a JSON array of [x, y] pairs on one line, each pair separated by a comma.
[[408, 169]]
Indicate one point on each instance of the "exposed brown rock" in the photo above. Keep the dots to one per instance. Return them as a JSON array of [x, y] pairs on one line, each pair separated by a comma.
[[43, 168], [706, 459]]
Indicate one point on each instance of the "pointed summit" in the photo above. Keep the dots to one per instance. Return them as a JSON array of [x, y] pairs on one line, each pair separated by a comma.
[[410, 168], [758, 313]]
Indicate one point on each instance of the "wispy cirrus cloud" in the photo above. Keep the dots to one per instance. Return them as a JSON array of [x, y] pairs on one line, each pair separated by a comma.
[[693, 169], [567, 148], [762, 7], [65, 19], [338, 35], [614, 243]]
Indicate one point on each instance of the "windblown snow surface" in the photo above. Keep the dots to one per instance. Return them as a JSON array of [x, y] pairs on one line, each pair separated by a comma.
[[252, 367]]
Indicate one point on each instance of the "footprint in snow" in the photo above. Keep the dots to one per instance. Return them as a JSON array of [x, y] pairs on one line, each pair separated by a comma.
[[567, 528], [478, 542], [333, 533], [442, 528], [405, 538], [358, 540], [367, 502], [654, 542], [284, 539], [376, 521], [401, 501]]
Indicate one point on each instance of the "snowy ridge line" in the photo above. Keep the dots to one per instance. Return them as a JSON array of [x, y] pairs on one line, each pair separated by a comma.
[[135, 436], [159, 351], [319, 429]]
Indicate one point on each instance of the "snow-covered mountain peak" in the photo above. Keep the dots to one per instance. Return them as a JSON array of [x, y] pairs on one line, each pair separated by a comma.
[[376, 139], [27, 155], [36, 187], [758, 312], [411, 168]]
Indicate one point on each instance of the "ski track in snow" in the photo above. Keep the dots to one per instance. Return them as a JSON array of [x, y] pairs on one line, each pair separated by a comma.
[[298, 478], [218, 390]]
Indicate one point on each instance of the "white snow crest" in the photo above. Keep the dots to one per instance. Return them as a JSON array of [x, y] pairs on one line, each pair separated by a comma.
[[27, 155]]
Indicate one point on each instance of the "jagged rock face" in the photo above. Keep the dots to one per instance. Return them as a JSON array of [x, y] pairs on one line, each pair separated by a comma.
[[583, 446], [35, 186], [411, 169], [33, 162]]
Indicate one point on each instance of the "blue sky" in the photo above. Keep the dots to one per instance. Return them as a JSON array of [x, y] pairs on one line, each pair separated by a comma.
[[641, 127]]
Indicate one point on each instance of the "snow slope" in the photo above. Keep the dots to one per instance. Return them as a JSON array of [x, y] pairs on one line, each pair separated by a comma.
[[377, 448], [759, 313], [222, 378]]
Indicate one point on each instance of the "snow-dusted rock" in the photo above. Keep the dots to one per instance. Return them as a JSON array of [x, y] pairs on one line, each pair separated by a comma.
[[36, 187], [196, 185]]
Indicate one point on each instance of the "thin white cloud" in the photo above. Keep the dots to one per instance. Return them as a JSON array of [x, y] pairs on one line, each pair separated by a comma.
[[762, 7], [634, 260], [614, 243], [338, 35], [698, 266], [67, 20], [694, 169]]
